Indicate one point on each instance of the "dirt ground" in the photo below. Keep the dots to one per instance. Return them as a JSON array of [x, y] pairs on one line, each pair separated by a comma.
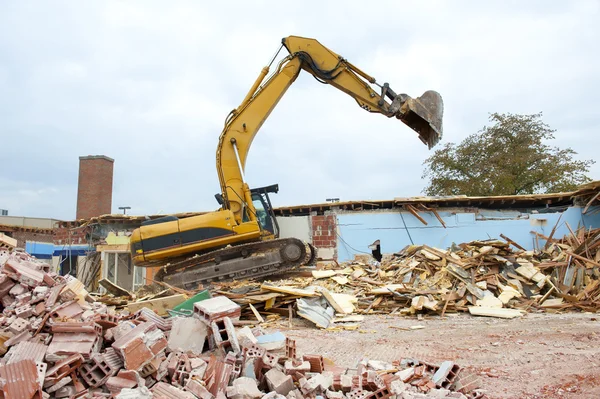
[[537, 356]]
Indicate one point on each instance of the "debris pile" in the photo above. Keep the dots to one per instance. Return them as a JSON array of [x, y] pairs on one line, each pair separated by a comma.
[[57, 342], [487, 278]]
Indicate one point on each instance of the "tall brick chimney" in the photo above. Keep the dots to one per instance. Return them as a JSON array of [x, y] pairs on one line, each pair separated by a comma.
[[94, 192]]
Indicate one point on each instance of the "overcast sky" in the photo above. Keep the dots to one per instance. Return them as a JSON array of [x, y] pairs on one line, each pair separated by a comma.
[[149, 83]]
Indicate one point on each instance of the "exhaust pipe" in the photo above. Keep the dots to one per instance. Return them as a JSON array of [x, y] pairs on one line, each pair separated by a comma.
[[423, 115]]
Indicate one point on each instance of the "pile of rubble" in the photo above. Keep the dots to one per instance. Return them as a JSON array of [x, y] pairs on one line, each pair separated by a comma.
[[487, 278], [57, 342]]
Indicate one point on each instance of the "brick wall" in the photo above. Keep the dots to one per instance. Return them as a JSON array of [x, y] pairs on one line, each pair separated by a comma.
[[70, 236], [94, 192], [23, 236], [324, 235]]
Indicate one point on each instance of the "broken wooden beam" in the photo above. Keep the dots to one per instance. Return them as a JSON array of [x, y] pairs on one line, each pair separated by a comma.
[[114, 289]]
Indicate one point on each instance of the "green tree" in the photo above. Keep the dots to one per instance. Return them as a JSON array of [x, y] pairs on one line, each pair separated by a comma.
[[509, 157]]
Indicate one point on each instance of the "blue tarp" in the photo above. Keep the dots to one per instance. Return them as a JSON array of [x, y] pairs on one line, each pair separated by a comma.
[[72, 250], [41, 250]]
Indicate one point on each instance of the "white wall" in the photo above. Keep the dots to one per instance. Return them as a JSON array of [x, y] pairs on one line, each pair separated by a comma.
[[296, 227], [41, 223]]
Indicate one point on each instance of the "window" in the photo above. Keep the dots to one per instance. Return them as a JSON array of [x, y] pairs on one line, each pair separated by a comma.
[[264, 218], [119, 269], [68, 265]]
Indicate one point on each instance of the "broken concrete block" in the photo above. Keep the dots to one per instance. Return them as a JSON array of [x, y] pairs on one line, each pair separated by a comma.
[[279, 382], [346, 382], [318, 383], [291, 366], [446, 374], [378, 365], [216, 308], [188, 335], [397, 387], [406, 374], [243, 388], [224, 335], [246, 337]]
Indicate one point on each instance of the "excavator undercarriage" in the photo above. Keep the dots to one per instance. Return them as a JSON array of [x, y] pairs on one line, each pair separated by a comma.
[[245, 261]]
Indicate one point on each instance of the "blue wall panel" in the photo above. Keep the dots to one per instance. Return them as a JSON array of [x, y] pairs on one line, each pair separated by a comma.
[[358, 230], [592, 217]]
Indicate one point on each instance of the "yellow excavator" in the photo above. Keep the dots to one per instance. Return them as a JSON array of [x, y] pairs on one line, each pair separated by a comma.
[[241, 239]]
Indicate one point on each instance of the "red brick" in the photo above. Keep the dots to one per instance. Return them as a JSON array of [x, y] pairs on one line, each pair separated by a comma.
[[94, 192]]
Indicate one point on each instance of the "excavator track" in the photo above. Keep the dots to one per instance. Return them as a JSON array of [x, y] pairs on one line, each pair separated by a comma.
[[245, 261]]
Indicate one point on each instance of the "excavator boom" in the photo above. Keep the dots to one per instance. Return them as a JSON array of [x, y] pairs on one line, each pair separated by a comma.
[[422, 114]]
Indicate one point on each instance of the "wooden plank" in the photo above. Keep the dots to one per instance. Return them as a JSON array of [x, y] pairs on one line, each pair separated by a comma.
[[415, 213], [543, 237], [583, 259], [508, 240], [160, 305], [495, 312], [114, 289], [552, 232], [594, 198], [256, 314], [259, 298], [288, 290], [444, 255], [437, 215], [573, 235], [269, 303]]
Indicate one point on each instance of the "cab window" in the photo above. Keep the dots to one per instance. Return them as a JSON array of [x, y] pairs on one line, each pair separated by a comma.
[[264, 219]]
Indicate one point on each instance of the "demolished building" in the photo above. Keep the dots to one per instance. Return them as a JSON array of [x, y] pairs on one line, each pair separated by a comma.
[[341, 230]]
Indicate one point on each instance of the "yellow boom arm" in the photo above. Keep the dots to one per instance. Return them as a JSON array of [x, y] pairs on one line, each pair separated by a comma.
[[423, 114]]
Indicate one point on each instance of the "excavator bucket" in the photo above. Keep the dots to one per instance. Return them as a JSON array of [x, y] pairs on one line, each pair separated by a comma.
[[424, 115]]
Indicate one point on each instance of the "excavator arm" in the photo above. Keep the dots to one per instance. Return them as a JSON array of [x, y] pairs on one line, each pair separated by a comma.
[[423, 114]]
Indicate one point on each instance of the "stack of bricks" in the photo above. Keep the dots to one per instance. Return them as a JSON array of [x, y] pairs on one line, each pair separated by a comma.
[[56, 342]]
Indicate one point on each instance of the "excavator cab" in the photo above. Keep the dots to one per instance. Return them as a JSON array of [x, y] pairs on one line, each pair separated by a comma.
[[264, 209]]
